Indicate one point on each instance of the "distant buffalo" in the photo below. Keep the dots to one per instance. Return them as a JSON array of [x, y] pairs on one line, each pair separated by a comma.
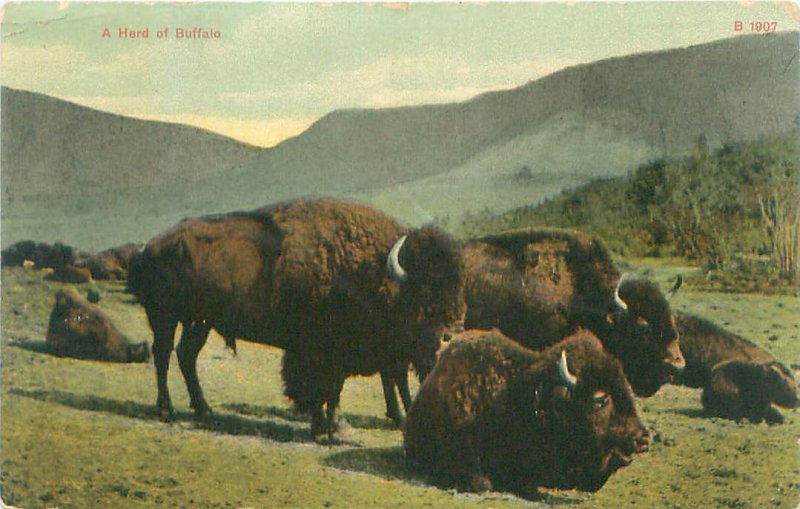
[[341, 287], [42, 255], [81, 330], [538, 285], [70, 274], [110, 264], [739, 379], [496, 415]]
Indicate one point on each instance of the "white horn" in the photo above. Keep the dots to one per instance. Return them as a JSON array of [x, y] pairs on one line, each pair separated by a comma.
[[617, 299], [563, 370], [396, 272]]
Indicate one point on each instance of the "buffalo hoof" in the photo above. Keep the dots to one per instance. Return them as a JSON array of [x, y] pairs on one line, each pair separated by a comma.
[[166, 415], [203, 413], [338, 439], [397, 420], [339, 433]]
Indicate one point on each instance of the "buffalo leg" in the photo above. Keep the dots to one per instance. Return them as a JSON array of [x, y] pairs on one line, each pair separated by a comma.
[[389, 396], [391, 379], [301, 385], [331, 405], [193, 338], [318, 423], [163, 343], [402, 388], [230, 342]]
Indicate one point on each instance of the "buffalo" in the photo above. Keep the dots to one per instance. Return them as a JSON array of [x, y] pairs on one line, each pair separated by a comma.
[[739, 379], [538, 285], [81, 330], [70, 274], [112, 263], [493, 415], [342, 288]]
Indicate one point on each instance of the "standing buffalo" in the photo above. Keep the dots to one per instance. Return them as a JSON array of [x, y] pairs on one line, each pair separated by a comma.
[[495, 415], [538, 285], [79, 329], [341, 287], [739, 379]]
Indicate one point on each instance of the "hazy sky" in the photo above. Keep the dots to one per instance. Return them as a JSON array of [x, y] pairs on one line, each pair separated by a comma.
[[278, 67]]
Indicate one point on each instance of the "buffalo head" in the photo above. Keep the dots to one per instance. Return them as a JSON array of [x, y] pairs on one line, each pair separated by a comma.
[[427, 265], [643, 334], [594, 423]]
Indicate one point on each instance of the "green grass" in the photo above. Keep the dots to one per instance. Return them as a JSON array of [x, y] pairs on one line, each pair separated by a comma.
[[78, 434]]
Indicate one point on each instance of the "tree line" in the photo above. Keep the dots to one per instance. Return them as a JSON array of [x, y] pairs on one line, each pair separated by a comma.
[[734, 209]]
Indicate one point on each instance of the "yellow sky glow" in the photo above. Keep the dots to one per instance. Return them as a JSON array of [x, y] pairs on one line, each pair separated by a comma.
[[254, 132]]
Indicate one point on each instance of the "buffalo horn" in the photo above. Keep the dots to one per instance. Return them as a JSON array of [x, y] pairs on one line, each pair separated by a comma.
[[396, 272], [678, 283], [617, 299], [568, 378]]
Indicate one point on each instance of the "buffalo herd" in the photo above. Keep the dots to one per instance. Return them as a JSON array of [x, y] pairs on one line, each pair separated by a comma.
[[538, 391], [70, 265]]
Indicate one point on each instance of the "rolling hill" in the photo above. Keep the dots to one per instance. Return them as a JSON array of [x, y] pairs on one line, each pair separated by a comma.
[[54, 147], [496, 151]]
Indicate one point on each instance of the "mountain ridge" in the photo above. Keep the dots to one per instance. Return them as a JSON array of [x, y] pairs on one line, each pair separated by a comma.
[[598, 119], [63, 147]]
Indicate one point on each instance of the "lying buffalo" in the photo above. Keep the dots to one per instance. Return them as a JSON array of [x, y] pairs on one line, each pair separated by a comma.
[[739, 379], [70, 274], [341, 287], [79, 329], [495, 415], [538, 285]]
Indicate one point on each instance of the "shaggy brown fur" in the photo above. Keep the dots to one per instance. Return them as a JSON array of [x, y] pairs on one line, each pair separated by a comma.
[[495, 415], [81, 330], [309, 277], [740, 380], [538, 285]]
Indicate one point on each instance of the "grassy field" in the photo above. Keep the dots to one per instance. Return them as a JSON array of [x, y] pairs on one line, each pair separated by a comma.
[[83, 434]]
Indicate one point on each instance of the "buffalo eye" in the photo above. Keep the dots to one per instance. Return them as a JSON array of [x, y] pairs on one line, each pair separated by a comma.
[[600, 399], [642, 322]]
